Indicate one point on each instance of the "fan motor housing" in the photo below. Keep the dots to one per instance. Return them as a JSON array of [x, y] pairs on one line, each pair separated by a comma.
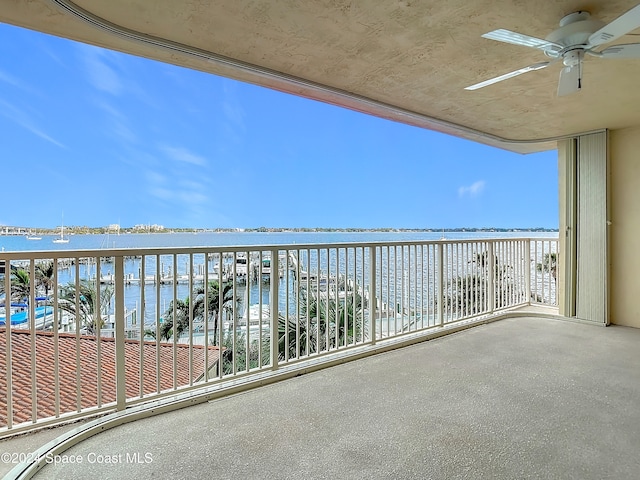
[[573, 58], [575, 29]]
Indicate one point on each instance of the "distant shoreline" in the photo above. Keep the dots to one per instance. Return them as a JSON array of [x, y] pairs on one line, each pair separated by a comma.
[[77, 230]]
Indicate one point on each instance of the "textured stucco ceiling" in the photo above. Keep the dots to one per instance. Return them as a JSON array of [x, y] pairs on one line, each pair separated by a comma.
[[405, 60]]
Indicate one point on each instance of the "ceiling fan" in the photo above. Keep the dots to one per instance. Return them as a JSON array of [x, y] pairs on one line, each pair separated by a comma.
[[578, 35]]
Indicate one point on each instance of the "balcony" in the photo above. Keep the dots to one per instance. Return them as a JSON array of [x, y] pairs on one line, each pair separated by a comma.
[[524, 397], [97, 339]]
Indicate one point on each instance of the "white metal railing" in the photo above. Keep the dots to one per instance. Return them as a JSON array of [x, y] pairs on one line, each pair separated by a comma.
[[100, 330]]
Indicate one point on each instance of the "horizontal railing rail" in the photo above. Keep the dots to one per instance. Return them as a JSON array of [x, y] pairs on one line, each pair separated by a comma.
[[89, 331]]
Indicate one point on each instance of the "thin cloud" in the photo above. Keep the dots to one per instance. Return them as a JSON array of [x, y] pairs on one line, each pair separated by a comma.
[[233, 114], [110, 109], [21, 118], [119, 124], [155, 178], [6, 78], [187, 192], [183, 155], [18, 83], [472, 190], [101, 75], [187, 195]]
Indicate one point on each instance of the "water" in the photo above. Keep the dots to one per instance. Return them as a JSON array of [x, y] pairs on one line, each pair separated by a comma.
[[210, 239]]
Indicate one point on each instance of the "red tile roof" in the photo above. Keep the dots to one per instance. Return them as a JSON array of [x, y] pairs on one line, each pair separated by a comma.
[[21, 371]]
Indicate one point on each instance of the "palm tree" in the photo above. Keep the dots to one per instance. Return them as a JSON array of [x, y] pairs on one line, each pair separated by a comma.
[[45, 273], [214, 307], [81, 301], [21, 281], [287, 329], [549, 265], [235, 357], [20, 285], [331, 324], [468, 294], [181, 319], [213, 310]]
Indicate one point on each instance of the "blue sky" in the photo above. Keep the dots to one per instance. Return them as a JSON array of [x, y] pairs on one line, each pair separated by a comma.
[[100, 137]]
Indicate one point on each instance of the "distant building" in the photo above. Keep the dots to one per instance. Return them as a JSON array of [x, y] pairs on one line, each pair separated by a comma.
[[144, 227]]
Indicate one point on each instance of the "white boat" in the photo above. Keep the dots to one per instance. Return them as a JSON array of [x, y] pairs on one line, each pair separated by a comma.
[[62, 238], [255, 315], [33, 236], [254, 322], [242, 267]]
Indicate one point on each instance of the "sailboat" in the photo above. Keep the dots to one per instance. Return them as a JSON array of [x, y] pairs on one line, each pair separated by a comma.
[[62, 238]]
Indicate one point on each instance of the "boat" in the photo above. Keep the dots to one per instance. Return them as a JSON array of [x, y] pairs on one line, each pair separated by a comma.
[[255, 321], [20, 315], [255, 315], [62, 238], [241, 264], [241, 267], [33, 236], [266, 269]]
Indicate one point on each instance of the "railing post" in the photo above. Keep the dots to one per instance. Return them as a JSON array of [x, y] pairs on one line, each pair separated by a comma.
[[440, 283], [527, 270], [491, 273], [274, 279], [7, 333], [121, 393], [556, 301], [373, 304]]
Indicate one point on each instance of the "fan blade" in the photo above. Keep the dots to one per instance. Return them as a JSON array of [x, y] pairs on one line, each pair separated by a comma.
[[570, 80], [629, 50], [530, 68], [507, 36], [620, 26]]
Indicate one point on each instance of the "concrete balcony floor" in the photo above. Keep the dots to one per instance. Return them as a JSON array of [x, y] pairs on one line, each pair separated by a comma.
[[518, 398]]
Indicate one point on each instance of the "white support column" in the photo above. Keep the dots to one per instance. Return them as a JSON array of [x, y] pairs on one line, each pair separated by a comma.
[[568, 228]]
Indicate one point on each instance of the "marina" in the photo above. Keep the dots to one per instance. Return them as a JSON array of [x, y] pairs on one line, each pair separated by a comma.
[[204, 313], [153, 279]]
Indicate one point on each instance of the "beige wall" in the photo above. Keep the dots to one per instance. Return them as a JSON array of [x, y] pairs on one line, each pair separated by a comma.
[[624, 233]]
